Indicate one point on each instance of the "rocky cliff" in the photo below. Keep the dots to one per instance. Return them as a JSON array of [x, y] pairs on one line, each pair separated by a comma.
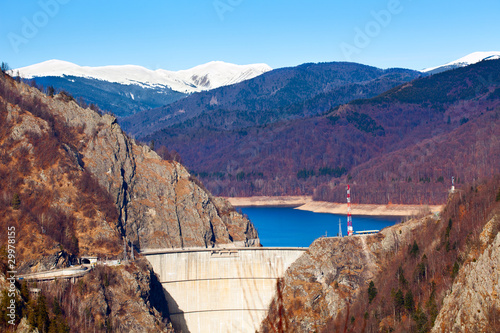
[[438, 272], [472, 304], [73, 184], [330, 277], [160, 205]]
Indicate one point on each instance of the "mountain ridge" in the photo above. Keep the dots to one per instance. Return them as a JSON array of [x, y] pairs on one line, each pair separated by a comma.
[[282, 93], [297, 156], [467, 60], [202, 77]]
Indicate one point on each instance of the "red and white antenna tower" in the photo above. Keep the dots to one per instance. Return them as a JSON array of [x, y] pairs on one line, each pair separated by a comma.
[[349, 218]]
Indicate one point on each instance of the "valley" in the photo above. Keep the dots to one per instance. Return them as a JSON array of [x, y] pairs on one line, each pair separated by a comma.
[[76, 185], [373, 143], [311, 129], [234, 166]]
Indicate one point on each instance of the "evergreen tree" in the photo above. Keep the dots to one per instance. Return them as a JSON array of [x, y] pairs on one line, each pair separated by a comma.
[[4, 302], [409, 302], [399, 302], [414, 249], [50, 91], [421, 321], [4, 67], [372, 292], [401, 277], [431, 305], [456, 268], [25, 293], [42, 316]]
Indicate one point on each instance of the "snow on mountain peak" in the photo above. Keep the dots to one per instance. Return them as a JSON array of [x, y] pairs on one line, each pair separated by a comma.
[[202, 77], [467, 60]]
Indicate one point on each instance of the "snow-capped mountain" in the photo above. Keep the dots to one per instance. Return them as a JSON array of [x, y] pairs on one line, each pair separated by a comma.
[[464, 61], [203, 77]]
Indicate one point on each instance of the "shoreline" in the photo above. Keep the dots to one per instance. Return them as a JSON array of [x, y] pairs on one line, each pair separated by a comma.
[[278, 201], [307, 203]]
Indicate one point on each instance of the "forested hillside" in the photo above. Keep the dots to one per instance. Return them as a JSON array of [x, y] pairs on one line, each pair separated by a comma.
[[436, 273], [402, 146], [121, 99], [284, 93]]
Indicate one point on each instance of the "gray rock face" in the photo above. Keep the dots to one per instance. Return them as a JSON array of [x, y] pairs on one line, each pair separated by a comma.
[[321, 283], [160, 204], [473, 304]]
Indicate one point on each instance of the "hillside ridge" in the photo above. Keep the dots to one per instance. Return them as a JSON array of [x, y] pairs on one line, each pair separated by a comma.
[[431, 273]]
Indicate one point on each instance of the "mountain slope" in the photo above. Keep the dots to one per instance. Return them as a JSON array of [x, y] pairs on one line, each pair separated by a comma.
[[469, 59], [297, 156], [284, 93], [125, 90], [80, 182], [120, 99], [436, 273], [73, 185]]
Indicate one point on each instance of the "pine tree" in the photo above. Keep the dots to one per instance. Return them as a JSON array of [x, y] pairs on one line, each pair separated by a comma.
[[42, 316], [401, 277], [372, 292], [432, 305], [399, 302], [421, 321], [4, 67], [409, 302], [4, 302], [414, 249]]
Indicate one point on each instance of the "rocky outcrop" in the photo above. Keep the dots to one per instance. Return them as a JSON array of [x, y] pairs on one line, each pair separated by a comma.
[[82, 187], [473, 304], [160, 204], [330, 277], [120, 297], [318, 285]]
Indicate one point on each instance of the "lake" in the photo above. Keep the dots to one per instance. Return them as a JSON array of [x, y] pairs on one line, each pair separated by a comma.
[[285, 226]]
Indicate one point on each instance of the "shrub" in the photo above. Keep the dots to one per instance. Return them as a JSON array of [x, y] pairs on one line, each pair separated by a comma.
[[16, 201]]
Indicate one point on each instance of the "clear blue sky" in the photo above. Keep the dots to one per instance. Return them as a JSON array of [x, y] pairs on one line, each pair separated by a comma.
[[179, 34]]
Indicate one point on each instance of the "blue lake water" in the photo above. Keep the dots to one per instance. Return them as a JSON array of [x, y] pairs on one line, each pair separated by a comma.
[[285, 226]]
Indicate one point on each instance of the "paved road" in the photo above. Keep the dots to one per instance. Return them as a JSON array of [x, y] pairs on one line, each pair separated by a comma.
[[65, 273]]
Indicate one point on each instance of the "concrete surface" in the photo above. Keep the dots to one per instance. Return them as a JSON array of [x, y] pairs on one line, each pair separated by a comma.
[[220, 290]]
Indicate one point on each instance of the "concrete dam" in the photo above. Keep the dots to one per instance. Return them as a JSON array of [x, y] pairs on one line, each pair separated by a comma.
[[220, 290]]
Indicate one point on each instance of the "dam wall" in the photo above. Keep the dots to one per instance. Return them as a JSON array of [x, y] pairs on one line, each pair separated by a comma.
[[220, 290]]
